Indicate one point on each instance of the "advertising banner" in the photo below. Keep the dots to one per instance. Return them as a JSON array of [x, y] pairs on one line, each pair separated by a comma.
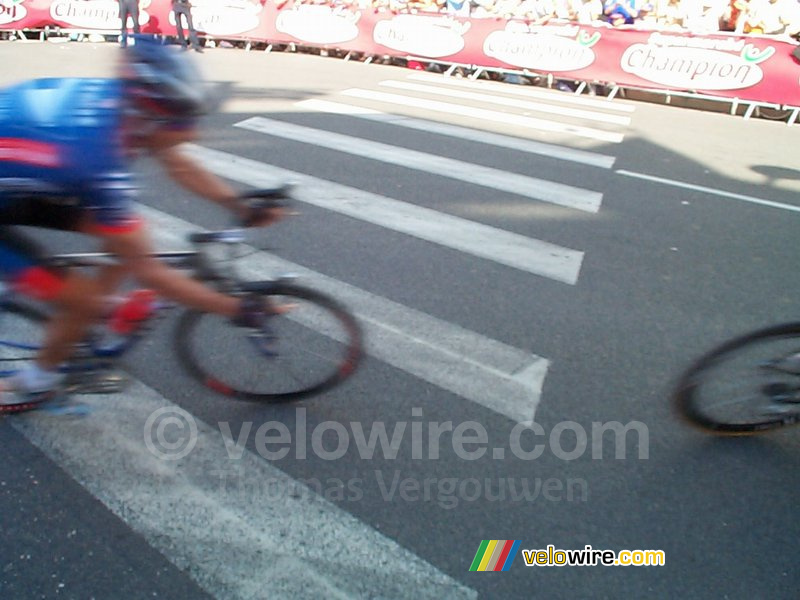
[[754, 68]]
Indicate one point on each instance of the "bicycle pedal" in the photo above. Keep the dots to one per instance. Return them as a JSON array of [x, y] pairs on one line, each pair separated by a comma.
[[99, 383]]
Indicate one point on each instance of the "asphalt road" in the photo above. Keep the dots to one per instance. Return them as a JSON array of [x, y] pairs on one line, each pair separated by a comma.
[[491, 297]]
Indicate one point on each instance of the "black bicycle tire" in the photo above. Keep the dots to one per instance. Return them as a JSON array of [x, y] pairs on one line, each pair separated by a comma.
[[23, 308], [685, 394], [31, 313], [190, 319]]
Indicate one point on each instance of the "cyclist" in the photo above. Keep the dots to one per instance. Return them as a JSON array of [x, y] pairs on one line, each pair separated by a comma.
[[65, 145]]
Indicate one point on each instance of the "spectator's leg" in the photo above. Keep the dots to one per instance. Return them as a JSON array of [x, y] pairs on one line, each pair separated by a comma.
[[123, 15], [192, 31], [135, 15], [179, 27]]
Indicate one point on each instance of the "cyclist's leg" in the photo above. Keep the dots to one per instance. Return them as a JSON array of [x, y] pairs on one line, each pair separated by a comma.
[[77, 297]]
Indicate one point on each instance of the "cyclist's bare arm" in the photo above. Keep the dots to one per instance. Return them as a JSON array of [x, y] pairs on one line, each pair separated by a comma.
[[135, 252], [166, 146]]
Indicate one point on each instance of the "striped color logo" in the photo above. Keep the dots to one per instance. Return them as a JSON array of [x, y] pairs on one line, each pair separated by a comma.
[[495, 555]]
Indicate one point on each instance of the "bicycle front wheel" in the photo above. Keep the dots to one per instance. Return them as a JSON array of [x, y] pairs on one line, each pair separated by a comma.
[[748, 385], [313, 346]]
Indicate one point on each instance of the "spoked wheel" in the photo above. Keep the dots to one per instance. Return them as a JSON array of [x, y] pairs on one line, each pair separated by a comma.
[[313, 346], [748, 385]]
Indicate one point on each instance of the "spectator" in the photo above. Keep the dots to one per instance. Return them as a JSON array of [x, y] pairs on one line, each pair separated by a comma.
[[763, 16], [128, 8], [536, 12], [183, 8], [459, 8], [703, 16], [624, 12], [589, 11], [790, 15], [731, 14]]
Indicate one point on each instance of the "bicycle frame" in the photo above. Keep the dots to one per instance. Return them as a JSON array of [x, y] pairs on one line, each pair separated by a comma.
[[89, 357]]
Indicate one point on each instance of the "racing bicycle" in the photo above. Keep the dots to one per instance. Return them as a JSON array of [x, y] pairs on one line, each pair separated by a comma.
[[745, 386], [311, 347]]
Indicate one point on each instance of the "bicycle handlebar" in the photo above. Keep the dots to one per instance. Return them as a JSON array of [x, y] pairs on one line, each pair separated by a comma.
[[260, 200]]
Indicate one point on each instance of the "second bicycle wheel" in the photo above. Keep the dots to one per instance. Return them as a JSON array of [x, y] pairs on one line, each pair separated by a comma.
[[748, 385], [315, 345]]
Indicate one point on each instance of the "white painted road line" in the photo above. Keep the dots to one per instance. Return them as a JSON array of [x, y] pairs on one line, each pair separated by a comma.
[[503, 247], [593, 159], [481, 114], [489, 99], [525, 91], [499, 377], [522, 185], [241, 528], [708, 190]]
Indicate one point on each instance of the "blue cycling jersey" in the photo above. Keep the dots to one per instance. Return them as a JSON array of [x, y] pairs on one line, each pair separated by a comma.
[[63, 137]]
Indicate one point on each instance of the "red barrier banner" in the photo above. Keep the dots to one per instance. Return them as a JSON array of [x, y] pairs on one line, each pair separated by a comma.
[[751, 68]]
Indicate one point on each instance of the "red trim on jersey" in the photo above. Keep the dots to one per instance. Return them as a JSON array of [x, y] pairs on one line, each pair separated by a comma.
[[127, 226], [30, 152], [39, 283]]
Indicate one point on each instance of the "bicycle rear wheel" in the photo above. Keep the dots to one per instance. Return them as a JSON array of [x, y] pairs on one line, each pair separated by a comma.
[[748, 385], [21, 335], [306, 351]]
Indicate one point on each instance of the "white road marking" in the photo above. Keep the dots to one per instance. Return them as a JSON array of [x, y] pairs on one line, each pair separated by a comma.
[[489, 99], [241, 528], [526, 91], [708, 190], [593, 159], [487, 115], [530, 187], [503, 247], [502, 378]]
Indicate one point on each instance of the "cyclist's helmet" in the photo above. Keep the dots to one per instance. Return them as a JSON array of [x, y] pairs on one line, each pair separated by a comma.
[[161, 83]]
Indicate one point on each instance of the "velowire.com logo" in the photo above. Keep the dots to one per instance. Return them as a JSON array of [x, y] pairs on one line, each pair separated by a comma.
[[495, 555]]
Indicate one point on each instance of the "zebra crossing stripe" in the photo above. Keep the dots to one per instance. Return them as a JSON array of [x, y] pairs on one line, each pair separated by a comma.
[[522, 185], [526, 91], [503, 247], [482, 114], [584, 157], [502, 378], [489, 99], [241, 528]]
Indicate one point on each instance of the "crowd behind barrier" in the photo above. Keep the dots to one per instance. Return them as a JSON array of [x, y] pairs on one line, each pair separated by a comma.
[[685, 46], [773, 17]]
